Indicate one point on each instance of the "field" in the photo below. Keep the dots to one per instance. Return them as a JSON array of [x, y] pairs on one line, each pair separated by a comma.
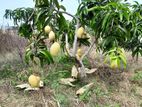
[[113, 88]]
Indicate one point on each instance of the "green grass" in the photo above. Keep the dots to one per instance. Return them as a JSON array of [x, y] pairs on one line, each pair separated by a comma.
[[7, 72], [66, 95], [137, 78]]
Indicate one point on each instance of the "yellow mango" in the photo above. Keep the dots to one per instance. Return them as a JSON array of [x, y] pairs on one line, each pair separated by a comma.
[[34, 81], [51, 36], [55, 49], [47, 29], [80, 32]]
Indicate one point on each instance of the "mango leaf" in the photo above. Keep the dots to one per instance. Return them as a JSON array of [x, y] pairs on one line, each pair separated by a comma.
[[62, 7], [105, 20], [62, 23], [25, 30], [27, 87], [28, 55], [45, 56], [123, 60], [56, 3]]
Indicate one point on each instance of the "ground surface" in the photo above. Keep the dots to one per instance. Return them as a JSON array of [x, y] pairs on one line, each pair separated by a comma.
[[113, 88]]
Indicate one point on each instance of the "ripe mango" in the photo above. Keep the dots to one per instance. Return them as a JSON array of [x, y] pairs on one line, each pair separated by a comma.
[[79, 52], [80, 32], [55, 49], [47, 29], [51, 36], [34, 81]]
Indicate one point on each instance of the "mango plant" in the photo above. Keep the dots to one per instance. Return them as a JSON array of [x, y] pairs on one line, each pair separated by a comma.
[[114, 24]]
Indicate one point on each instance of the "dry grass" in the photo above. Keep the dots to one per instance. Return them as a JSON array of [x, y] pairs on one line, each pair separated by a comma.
[[11, 46], [112, 88]]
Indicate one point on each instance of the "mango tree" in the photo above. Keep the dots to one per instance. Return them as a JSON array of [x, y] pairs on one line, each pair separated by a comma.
[[116, 26]]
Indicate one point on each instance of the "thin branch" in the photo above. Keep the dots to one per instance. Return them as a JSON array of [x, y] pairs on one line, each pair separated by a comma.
[[67, 45], [64, 12], [82, 69], [77, 26], [89, 49], [31, 15], [75, 39]]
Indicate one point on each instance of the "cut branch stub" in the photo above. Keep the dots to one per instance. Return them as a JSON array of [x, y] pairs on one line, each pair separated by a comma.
[[74, 72], [84, 89], [67, 81]]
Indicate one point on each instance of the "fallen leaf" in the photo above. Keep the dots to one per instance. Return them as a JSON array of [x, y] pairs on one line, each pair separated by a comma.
[[22, 86], [84, 89], [67, 81], [91, 71], [74, 72], [31, 89], [27, 87]]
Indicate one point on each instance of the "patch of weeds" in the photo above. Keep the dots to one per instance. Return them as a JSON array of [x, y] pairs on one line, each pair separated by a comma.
[[7, 72], [98, 91], [141, 104], [66, 63], [62, 99], [117, 105], [52, 79], [86, 96], [137, 78], [23, 75], [114, 105], [86, 63], [14, 82]]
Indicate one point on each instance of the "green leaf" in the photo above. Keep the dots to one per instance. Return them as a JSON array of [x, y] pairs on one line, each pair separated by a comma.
[[25, 30], [62, 7], [123, 60], [28, 55], [45, 54], [57, 4], [105, 21], [62, 23], [121, 16]]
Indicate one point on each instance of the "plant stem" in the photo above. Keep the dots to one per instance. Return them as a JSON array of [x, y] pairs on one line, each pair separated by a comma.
[[31, 15], [89, 49], [75, 40], [64, 12], [67, 45]]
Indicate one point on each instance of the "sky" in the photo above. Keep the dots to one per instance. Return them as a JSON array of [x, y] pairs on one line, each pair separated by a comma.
[[71, 6]]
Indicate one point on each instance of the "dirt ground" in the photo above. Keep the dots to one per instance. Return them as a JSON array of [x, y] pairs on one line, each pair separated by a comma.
[[113, 88]]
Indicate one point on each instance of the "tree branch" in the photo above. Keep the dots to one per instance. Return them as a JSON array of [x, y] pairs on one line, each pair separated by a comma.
[[64, 12], [77, 26], [91, 46], [75, 39], [31, 15], [67, 45]]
